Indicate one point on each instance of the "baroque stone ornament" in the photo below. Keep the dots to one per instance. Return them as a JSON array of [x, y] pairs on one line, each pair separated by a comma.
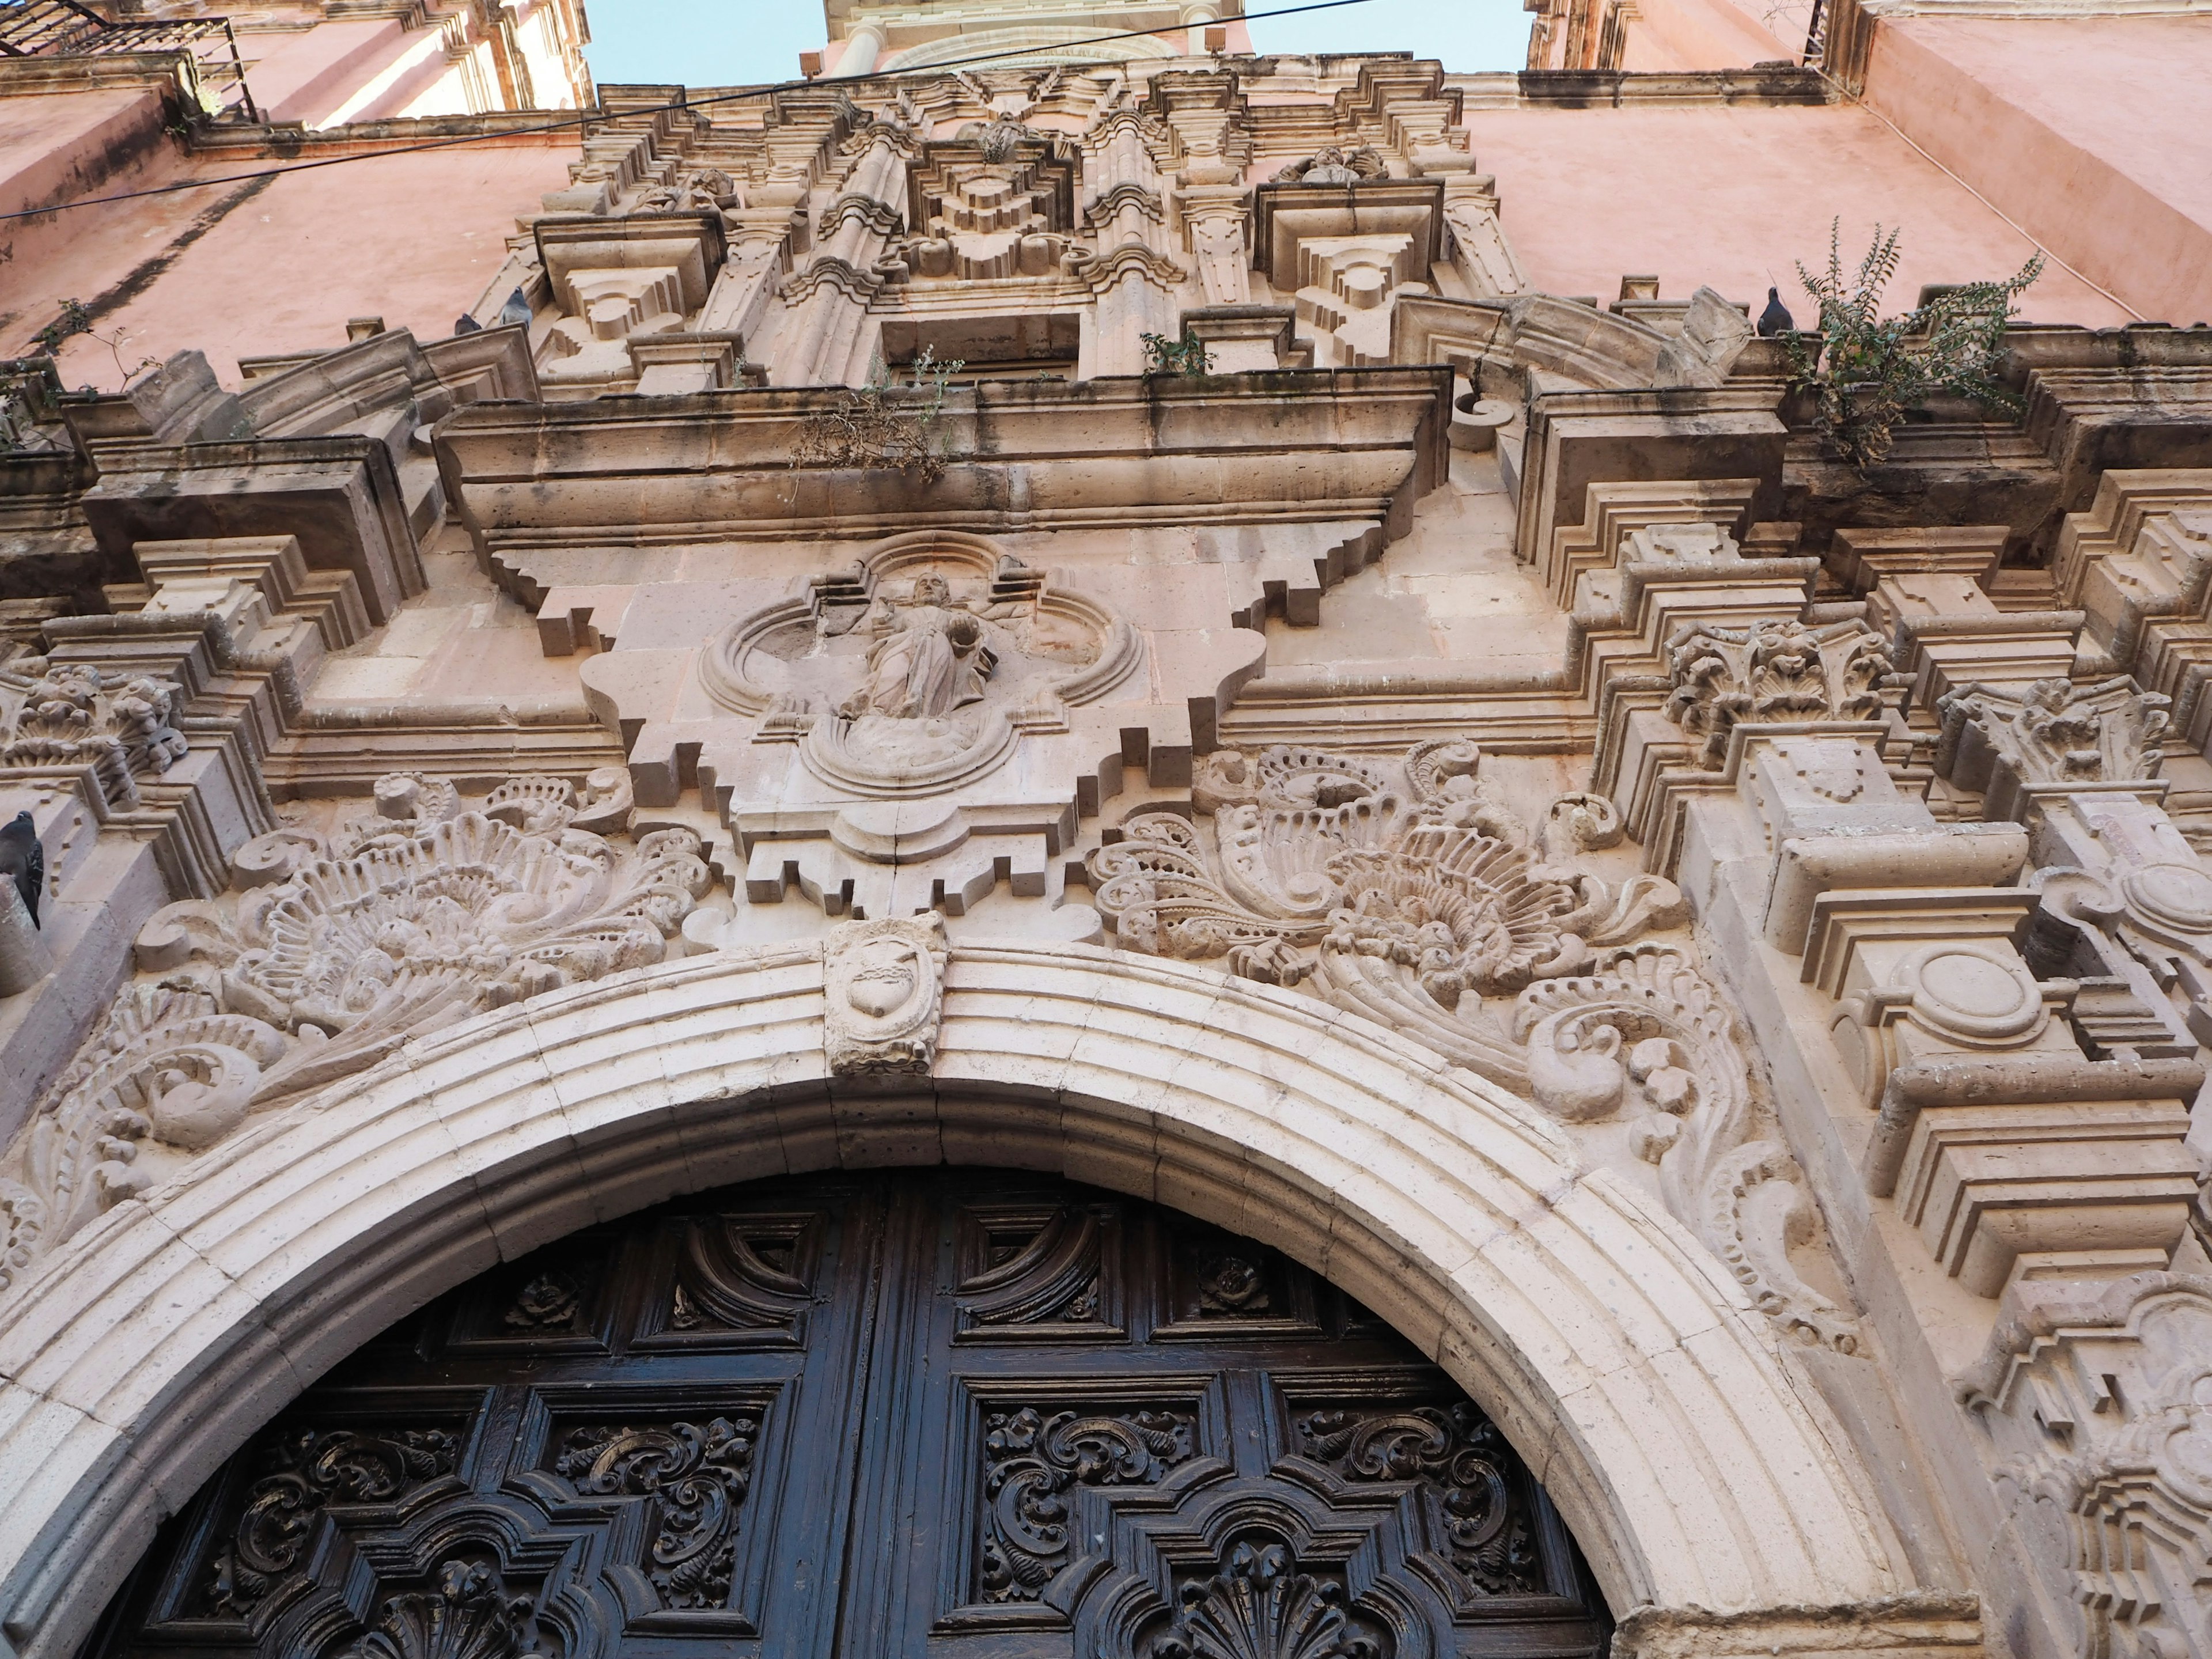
[[70, 716], [337, 950], [1409, 894], [883, 992], [918, 670], [1772, 672], [697, 1474], [1032, 1461], [2054, 732]]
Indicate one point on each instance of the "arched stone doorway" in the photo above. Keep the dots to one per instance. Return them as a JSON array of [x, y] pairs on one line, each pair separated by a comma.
[[956, 1412], [1619, 1359]]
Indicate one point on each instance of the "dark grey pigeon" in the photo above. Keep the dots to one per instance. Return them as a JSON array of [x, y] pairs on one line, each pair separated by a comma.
[[1775, 319], [467, 325], [516, 310], [23, 861]]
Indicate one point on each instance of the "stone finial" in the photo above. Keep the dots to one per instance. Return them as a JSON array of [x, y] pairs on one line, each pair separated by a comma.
[[883, 995]]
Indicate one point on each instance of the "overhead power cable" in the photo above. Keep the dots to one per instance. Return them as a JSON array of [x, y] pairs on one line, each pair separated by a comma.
[[766, 89]]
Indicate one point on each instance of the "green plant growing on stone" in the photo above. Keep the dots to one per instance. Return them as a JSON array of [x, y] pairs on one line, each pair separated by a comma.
[[1183, 356], [1865, 371], [73, 321], [887, 423]]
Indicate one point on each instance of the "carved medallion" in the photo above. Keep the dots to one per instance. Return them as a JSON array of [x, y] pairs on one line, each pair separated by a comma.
[[881, 991]]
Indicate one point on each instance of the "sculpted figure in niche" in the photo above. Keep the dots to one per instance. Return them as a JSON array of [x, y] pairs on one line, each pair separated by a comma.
[[929, 657]]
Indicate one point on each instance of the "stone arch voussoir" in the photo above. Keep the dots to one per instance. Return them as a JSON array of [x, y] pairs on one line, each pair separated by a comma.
[[1620, 1359]]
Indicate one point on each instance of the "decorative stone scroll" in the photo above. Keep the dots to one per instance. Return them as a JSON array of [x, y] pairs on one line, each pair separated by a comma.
[[917, 670], [882, 987], [1410, 894], [330, 952]]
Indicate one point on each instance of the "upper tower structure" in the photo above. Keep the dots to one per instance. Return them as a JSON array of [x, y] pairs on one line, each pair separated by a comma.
[[865, 35]]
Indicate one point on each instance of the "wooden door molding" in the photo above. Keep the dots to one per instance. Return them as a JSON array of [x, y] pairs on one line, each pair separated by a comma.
[[1608, 1345]]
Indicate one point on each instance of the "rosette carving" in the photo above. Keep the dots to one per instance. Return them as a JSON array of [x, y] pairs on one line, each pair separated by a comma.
[[336, 951]]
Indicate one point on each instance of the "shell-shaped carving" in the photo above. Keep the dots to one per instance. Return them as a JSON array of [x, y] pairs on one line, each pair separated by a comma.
[[1463, 910]]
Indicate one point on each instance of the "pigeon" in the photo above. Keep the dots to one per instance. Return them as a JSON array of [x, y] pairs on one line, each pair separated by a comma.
[[516, 310], [465, 323], [23, 860], [1775, 319]]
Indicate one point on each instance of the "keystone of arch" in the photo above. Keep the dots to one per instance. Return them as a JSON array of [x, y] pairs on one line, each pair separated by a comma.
[[1621, 1360]]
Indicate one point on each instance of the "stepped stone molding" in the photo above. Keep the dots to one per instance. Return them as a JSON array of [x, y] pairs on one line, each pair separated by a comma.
[[328, 954], [1697, 1473]]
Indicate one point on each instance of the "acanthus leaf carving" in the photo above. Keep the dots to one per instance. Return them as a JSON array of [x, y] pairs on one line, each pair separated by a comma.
[[1770, 672], [2054, 732], [698, 1475], [337, 951], [1031, 1461], [70, 715]]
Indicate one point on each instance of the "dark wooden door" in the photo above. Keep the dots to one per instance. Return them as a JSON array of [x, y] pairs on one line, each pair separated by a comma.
[[952, 1413]]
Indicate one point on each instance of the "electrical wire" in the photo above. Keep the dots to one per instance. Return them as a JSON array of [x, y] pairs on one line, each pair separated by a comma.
[[1858, 103], [765, 90]]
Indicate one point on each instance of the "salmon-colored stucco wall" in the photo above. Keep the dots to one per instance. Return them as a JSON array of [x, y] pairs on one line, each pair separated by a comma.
[[413, 239], [1732, 197], [2095, 133]]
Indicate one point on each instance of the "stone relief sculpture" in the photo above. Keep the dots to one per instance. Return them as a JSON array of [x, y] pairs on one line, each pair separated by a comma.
[[1773, 672], [330, 952], [1410, 894], [918, 669], [1331, 166], [882, 988], [70, 715]]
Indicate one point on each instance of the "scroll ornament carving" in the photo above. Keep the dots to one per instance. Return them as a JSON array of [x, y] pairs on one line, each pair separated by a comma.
[[1260, 1606], [72, 715], [305, 1471], [1460, 1455], [883, 994], [1770, 672], [697, 1474], [1409, 894], [329, 954], [1031, 1461]]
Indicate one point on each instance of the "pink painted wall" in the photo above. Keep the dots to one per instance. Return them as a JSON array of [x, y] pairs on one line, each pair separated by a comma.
[[303, 77], [1731, 196], [2095, 133], [57, 149], [1697, 34], [413, 239]]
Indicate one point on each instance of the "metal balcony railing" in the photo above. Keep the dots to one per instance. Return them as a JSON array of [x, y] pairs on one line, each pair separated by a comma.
[[64, 28]]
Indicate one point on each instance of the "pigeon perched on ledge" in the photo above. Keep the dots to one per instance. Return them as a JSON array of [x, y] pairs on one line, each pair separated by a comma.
[[1775, 319], [23, 860], [516, 310]]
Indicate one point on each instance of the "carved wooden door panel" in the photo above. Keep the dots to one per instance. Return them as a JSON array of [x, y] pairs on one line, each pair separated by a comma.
[[962, 1413]]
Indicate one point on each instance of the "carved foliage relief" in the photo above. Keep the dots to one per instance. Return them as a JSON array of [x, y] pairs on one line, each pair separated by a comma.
[[1410, 892], [331, 952]]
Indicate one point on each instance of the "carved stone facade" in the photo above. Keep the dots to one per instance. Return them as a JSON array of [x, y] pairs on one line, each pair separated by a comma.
[[1089, 619]]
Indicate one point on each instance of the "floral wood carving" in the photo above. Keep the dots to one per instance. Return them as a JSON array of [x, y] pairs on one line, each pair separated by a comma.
[[469, 1615], [1260, 1606], [304, 1470], [337, 950], [697, 1474], [1458, 1454], [883, 991], [1770, 672], [1031, 1461], [70, 715]]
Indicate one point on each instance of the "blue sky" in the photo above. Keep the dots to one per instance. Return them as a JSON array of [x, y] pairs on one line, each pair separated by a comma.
[[730, 42]]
